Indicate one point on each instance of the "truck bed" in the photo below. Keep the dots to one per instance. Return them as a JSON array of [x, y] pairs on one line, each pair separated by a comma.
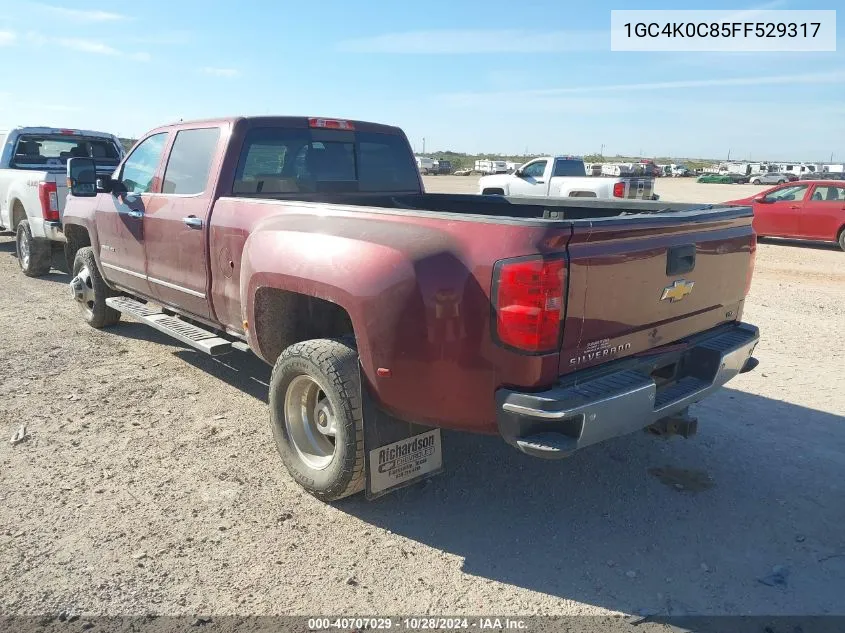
[[511, 207]]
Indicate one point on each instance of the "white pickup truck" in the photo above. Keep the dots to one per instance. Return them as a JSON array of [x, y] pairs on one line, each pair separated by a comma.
[[565, 177], [33, 166]]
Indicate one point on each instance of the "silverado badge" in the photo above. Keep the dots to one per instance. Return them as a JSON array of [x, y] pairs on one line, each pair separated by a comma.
[[677, 290]]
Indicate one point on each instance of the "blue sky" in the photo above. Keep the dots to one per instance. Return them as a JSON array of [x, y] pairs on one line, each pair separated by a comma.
[[491, 76]]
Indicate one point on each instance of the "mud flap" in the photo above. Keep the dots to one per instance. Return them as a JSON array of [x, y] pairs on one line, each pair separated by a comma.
[[396, 453]]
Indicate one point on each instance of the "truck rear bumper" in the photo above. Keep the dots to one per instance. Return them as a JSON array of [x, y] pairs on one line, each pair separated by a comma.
[[624, 396]]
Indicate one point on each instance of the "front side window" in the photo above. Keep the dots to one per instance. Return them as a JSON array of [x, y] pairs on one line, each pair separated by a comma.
[[190, 161], [140, 168], [535, 170], [787, 194], [282, 160]]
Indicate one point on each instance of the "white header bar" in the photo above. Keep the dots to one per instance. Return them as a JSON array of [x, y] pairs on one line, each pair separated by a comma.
[[723, 31]]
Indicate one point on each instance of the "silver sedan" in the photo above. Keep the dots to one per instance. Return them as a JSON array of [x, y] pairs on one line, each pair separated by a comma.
[[768, 179]]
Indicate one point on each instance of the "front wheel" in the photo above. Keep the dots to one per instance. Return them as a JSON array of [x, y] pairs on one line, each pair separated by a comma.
[[755, 182], [316, 416], [90, 290], [34, 256], [780, 182], [842, 239]]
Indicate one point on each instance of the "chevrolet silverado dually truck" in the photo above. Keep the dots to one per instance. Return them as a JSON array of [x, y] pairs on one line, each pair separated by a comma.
[[387, 313], [33, 163], [565, 177]]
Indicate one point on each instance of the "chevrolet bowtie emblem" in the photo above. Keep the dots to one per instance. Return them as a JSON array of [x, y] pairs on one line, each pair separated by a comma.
[[677, 290]]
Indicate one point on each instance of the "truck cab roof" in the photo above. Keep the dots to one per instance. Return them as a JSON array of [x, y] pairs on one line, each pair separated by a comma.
[[250, 122]]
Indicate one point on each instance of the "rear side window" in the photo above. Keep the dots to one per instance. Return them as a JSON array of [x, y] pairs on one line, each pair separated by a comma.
[[565, 167], [190, 161], [280, 160], [46, 151]]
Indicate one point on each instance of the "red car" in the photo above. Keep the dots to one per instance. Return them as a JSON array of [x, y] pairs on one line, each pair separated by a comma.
[[811, 210]]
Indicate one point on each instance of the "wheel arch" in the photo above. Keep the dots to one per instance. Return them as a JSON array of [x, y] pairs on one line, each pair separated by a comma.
[[17, 212], [280, 318]]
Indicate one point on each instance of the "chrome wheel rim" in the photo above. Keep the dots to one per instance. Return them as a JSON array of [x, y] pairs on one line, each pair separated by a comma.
[[23, 250], [82, 288], [310, 422]]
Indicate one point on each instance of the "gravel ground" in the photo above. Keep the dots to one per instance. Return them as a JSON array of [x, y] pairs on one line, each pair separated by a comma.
[[149, 483]]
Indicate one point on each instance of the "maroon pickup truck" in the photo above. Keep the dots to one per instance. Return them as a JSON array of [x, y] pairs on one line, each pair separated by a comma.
[[387, 312]]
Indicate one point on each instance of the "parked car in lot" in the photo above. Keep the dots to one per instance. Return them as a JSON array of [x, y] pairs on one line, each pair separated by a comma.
[[33, 163], [824, 175], [565, 176], [723, 179], [773, 178], [807, 210], [388, 312]]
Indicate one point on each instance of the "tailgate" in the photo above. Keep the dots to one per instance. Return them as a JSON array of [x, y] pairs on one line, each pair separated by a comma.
[[652, 279], [639, 188]]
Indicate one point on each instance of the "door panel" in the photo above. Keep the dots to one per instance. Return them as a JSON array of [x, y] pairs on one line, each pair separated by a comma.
[[780, 216], [120, 227], [120, 216], [176, 222], [823, 213], [532, 182], [176, 252]]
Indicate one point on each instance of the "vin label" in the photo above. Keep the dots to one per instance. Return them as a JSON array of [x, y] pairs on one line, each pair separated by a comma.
[[404, 461]]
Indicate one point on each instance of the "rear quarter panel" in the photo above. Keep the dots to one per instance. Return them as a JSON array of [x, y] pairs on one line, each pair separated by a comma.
[[417, 289]]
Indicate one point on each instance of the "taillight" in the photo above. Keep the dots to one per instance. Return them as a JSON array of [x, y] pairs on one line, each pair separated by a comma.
[[49, 197], [619, 190], [528, 296], [332, 124], [751, 261]]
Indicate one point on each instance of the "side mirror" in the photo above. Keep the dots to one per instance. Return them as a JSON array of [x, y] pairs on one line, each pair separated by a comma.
[[517, 172], [82, 177], [761, 199]]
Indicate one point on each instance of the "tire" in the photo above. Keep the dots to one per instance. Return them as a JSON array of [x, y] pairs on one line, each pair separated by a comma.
[[780, 182], [90, 291], [755, 182], [34, 256], [322, 375], [842, 238]]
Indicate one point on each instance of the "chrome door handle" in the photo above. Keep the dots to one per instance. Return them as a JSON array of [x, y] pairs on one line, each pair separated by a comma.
[[193, 221], [133, 213]]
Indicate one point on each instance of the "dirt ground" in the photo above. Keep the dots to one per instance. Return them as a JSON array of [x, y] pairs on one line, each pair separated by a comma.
[[150, 483]]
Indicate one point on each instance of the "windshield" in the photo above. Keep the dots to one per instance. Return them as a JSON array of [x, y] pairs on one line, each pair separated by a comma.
[[52, 151], [278, 160]]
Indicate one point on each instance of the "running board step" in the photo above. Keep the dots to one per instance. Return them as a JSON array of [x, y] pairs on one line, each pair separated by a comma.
[[547, 445], [182, 331]]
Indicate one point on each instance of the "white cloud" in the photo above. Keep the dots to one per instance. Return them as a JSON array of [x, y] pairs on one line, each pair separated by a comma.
[[79, 15], [7, 38], [464, 41], [473, 98], [220, 72], [87, 46], [82, 45]]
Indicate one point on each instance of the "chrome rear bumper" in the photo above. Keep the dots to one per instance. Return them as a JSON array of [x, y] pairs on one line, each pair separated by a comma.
[[624, 396]]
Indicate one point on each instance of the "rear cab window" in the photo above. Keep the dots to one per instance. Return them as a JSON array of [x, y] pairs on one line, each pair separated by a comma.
[[566, 167], [52, 151], [296, 161]]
